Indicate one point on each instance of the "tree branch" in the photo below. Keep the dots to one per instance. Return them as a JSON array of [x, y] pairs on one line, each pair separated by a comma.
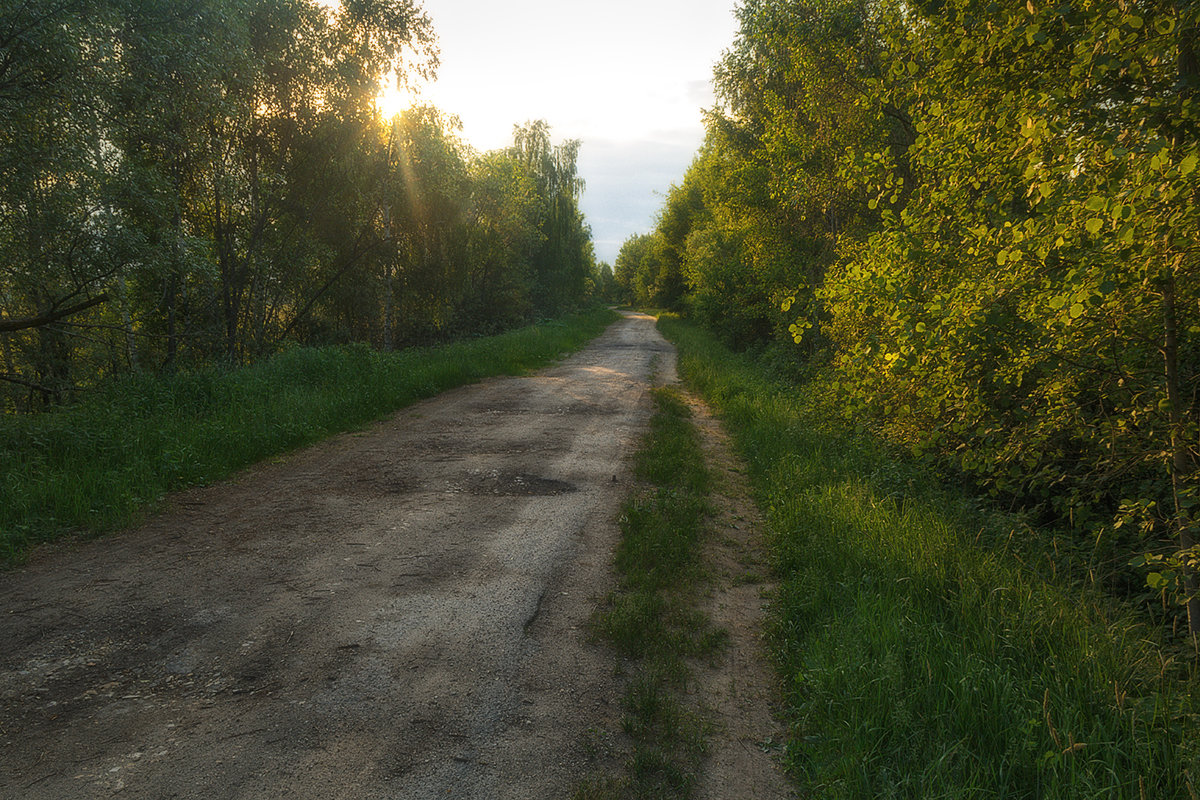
[[10, 325], [337, 275], [28, 384]]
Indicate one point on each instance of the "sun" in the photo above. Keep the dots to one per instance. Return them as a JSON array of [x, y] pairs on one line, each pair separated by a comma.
[[392, 99]]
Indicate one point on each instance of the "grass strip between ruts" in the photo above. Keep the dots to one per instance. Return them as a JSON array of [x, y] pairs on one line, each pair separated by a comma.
[[921, 658], [98, 465], [650, 617]]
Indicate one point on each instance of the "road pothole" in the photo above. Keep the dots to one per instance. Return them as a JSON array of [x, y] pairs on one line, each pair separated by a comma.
[[495, 482]]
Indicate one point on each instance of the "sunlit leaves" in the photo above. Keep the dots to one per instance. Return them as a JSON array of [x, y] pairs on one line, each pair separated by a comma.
[[989, 205], [1049, 196]]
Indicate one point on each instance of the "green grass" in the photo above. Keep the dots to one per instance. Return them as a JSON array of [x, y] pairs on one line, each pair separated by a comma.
[[921, 656], [649, 618], [99, 465]]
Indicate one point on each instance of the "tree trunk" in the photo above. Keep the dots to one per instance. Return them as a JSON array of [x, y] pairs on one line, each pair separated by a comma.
[[53, 365], [389, 271], [1181, 466], [131, 353], [170, 290], [171, 280], [227, 268], [9, 369], [389, 309]]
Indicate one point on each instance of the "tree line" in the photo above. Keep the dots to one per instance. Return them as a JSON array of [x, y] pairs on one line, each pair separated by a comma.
[[190, 182], [980, 221]]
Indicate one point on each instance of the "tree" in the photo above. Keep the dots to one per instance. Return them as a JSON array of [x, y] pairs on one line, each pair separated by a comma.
[[565, 260], [505, 234], [1022, 294], [58, 246], [988, 212], [636, 268], [183, 183]]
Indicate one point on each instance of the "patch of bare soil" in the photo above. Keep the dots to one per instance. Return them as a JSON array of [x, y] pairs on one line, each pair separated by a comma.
[[740, 689], [394, 613]]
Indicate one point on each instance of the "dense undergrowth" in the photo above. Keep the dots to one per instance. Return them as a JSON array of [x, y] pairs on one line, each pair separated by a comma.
[[97, 465], [923, 655], [649, 618]]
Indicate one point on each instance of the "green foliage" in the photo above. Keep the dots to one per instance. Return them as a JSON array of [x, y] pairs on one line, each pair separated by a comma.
[[564, 260], [926, 646], [636, 270], [503, 235], [985, 214], [184, 184], [774, 201], [606, 284], [1012, 313], [95, 466]]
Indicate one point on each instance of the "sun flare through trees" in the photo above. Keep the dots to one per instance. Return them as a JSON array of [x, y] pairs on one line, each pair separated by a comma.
[[183, 184]]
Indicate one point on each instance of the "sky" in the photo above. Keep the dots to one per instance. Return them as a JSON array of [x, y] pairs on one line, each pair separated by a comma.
[[629, 78]]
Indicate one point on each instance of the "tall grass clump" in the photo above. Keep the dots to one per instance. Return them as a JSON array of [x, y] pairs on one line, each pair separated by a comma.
[[650, 619], [96, 465], [924, 655]]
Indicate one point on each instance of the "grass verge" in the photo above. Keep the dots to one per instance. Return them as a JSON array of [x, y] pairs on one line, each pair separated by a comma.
[[98, 465], [650, 618], [921, 656]]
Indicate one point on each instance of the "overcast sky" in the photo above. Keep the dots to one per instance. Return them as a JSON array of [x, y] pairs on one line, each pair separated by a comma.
[[627, 77]]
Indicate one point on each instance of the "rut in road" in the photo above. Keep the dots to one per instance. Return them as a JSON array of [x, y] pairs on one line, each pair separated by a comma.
[[395, 613]]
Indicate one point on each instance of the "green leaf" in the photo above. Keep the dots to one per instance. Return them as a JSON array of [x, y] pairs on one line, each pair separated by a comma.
[[1093, 225], [1188, 165], [1077, 310]]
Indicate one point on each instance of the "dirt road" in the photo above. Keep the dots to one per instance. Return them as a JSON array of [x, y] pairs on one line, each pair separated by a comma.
[[395, 613]]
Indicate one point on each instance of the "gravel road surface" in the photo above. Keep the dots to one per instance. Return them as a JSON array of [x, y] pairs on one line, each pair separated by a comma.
[[395, 613]]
